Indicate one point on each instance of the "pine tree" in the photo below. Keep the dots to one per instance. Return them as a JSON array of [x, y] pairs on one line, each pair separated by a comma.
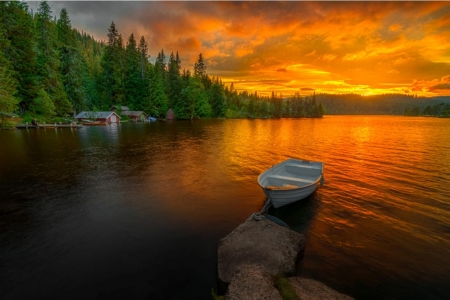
[[133, 76], [92, 51], [194, 101], [47, 60], [314, 109], [73, 68], [173, 80], [321, 109], [160, 63], [8, 101], [200, 67], [112, 63], [143, 58], [276, 105], [158, 102], [217, 100], [19, 41], [43, 105], [144, 71]]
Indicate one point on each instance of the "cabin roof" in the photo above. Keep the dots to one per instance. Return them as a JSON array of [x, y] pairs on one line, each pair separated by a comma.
[[95, 114], [119, 107], [133, 113]]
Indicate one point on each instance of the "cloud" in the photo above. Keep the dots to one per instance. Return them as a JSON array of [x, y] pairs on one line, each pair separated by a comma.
[[372, 47], [439, 87]]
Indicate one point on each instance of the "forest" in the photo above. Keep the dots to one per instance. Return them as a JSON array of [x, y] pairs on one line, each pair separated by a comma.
[[51, 71], [389, 104]]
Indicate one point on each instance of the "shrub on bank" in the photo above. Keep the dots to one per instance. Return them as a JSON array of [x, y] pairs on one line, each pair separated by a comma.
[[287, 292]]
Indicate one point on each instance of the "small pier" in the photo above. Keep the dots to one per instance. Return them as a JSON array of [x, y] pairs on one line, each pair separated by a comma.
[[45, 126]]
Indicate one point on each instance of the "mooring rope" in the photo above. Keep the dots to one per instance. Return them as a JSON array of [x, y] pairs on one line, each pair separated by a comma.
[[256, 216], [260, 215]]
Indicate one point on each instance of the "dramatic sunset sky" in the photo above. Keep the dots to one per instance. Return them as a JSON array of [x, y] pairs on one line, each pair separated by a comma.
[[333, 47]]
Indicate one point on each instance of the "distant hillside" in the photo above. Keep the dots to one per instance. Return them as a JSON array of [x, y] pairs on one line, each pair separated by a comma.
[[391, 104]]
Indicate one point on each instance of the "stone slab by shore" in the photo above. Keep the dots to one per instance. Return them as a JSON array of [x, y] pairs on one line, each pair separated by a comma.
[[256, 252]]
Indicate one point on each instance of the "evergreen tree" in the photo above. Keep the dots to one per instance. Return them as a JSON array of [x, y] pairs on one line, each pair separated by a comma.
[[276, 105], [200, 67], [158, 102], [91, 51], [8, 101], [144, 67], [43, 105], [19, 41], [160, 63], [112, 81], [321, 109], [217, 100], [314, 109], [195, 102], [47, 60], [133, 75], [174, 84], [73, 68]]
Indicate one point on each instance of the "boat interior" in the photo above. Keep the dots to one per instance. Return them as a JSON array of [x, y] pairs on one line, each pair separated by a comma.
[[292, 174]]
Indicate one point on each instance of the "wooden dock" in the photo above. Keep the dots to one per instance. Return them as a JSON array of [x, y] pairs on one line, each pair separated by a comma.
[[45, 126]]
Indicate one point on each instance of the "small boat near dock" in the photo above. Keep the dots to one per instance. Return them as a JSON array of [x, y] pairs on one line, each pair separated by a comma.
[[94, 123], [291, 181]]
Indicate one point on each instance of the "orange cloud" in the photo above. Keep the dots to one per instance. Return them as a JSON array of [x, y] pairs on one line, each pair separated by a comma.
[[337, 47]]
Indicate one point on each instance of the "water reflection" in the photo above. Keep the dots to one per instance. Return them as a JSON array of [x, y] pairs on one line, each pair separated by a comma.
[[120, 209]]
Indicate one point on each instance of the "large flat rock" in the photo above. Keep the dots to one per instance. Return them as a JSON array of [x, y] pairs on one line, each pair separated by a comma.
[[259, 242]]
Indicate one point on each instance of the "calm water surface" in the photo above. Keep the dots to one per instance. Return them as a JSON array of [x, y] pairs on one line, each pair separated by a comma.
[[135, 211]]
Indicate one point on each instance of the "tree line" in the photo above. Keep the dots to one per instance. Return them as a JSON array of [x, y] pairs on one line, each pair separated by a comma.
[[387, 104], [51, 70]]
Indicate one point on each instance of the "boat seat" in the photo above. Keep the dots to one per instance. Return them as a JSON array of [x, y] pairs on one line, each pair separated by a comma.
[[290, 179], [303, 169]]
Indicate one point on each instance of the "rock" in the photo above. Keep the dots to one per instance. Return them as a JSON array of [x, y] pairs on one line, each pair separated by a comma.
[[272, 247], [251, 282], [308, 289]]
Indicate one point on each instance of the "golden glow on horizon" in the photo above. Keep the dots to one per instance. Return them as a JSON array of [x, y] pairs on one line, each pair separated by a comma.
[[331, 47]]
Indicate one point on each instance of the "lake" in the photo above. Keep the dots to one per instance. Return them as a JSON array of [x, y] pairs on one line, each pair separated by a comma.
[[135, 211]]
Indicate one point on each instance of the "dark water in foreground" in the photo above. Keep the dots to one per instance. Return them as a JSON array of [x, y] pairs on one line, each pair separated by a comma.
[[135, 211]]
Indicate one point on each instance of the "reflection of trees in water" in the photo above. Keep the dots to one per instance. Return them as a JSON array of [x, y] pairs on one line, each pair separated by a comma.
[[141, 146]]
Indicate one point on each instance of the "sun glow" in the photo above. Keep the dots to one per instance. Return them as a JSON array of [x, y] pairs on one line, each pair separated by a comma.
[[334, 47]]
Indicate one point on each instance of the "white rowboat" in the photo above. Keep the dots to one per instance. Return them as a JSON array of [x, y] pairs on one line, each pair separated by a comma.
[[291, 180]]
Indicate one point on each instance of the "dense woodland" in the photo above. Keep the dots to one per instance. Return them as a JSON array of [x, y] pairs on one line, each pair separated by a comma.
[[51, 71]]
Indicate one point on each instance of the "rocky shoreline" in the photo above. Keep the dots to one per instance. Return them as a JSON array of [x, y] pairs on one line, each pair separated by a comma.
[[257, 252]]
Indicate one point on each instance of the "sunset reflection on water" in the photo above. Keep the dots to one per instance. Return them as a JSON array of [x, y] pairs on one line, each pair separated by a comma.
[[154, 199]]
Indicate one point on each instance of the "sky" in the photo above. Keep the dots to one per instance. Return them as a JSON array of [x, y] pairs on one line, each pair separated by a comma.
[[363, 47]]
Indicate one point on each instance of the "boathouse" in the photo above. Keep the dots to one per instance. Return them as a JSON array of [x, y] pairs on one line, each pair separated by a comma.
[[119, 108], [135, 115], [170, 115], [101, 116]]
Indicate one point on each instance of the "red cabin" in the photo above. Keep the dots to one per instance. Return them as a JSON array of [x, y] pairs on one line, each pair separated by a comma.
[[101, 116], [135, 115], [170, 115]]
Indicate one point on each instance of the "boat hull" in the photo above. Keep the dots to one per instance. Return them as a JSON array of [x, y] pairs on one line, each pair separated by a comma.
[[290, 181], [95, 124], [281, 198]]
